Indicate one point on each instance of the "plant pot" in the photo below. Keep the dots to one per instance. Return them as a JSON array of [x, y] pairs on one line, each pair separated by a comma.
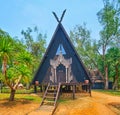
[[86, 81], [36, 82]]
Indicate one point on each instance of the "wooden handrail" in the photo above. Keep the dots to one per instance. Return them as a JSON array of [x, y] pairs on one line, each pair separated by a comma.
[[57, 94], [45, 94]]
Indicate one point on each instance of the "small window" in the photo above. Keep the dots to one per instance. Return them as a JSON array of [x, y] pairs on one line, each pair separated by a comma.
[[60, 50]]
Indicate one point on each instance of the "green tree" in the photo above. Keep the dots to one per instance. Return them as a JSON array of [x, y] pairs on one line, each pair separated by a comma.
[[6, 52], [19, 71], [35, 41], [80, 37], [86, 47], [109, 19], [16, 62], [113, 59]]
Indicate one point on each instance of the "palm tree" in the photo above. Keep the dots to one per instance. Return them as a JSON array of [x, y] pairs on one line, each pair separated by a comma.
[[6, 51], [16, 74], [16, 62], [20, 69]]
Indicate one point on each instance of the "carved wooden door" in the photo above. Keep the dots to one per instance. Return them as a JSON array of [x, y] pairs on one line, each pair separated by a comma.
[[61, 76]]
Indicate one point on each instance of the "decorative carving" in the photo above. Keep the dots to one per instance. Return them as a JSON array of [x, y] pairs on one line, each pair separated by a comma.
[[65, 62], [61, 60], [70, 77], [52, 76]]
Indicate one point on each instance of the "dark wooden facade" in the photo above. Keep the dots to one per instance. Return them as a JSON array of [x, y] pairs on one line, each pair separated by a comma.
[[61, 45]]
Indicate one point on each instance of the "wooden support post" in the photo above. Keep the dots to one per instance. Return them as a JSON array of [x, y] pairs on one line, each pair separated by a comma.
[[73, 91], [61, 90], [41, 90], [90, 89], [35, 89], [86, 87], [45, 88], [66, 75], [55, 78]]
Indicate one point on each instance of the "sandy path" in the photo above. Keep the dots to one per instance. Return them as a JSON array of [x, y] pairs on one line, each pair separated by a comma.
[[98, 104]]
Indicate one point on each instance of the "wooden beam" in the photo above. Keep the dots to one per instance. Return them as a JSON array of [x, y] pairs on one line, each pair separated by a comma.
[[56, 17], [62, 15]]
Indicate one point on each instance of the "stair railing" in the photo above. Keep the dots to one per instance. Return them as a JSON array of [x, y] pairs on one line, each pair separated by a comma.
[[57, 95], [45, 94]]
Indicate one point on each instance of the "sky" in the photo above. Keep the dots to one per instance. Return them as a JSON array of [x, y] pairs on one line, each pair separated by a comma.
[[17, 15]]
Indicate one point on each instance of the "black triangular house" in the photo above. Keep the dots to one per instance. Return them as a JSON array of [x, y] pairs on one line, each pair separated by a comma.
[[61, 47]]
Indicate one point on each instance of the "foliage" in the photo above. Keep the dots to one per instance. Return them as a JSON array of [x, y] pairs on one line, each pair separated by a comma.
[[108, 17], [16, 62], [84, 45], [19, 59], [113, 58], [103, 54], [35, 45]]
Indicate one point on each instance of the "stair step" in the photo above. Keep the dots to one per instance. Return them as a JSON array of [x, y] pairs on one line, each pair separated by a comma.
[[53, 86], [46, 108], [46, 101], [51, 93], [52, 90], [48, 97]]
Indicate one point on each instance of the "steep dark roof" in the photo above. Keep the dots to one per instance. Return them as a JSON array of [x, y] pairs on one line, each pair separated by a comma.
[[60, 37]]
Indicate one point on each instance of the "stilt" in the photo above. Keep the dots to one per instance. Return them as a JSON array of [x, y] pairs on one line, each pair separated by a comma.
[[73, 91], [41, 90], [35, 89], [90, 90]]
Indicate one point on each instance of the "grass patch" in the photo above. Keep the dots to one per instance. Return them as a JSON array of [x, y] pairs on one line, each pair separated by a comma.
[[111, 92], [63, 100], [18, 91], [4, 96], [29, 97]]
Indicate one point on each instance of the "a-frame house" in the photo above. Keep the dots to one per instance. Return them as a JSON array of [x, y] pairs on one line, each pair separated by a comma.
[[60, 45], [61, 64]]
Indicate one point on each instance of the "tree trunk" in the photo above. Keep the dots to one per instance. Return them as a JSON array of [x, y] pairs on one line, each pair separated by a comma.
[[4, 65], [106, 77], [28, 86], [12, 95], [115, 84], [1, 87]]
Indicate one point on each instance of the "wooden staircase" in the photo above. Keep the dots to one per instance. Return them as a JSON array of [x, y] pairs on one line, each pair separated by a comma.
[[50, 97]]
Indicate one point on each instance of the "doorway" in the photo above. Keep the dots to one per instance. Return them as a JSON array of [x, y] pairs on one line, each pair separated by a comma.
[[61, 73]]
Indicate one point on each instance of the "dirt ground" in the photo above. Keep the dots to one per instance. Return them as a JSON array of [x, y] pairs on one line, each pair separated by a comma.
[[98, 104]]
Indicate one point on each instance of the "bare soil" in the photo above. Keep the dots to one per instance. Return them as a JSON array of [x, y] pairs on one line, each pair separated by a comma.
[[98, 104]]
